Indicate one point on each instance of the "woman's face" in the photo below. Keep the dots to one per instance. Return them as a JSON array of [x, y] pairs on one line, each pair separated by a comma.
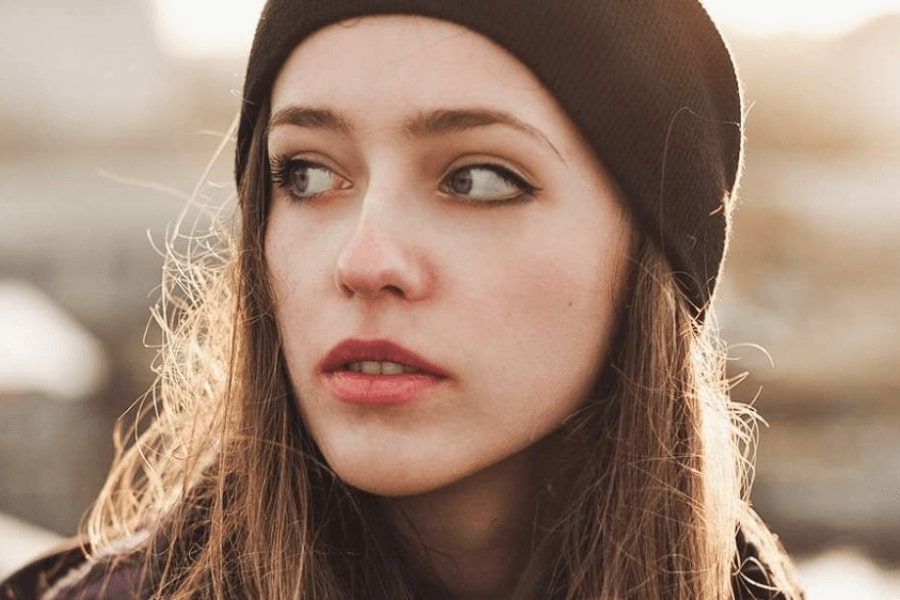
[[416, 226]]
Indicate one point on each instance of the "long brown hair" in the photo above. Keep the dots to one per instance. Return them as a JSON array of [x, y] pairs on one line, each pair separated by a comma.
[[231, 498]]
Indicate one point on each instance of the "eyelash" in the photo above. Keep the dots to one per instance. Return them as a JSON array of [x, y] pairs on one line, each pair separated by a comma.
[[281, 168]]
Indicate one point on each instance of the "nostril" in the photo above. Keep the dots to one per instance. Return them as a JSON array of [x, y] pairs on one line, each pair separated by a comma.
[[390, 289]]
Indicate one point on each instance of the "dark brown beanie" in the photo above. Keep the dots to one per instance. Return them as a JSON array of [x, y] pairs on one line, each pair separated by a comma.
[[650, 85]]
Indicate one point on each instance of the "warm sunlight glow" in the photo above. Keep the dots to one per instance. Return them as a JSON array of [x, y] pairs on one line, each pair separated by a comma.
[[203, 28], [810, 17], [206, 28]]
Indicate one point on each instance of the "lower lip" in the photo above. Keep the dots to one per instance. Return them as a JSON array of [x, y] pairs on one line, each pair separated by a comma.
[[361, 388]]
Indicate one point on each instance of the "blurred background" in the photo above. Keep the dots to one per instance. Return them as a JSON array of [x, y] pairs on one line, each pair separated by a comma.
[[110, 112]]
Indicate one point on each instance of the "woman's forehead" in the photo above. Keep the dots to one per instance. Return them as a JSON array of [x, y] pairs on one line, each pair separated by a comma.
[[397, 67]]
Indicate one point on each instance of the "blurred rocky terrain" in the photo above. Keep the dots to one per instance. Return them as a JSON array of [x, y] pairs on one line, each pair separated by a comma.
[[104, 135], [813, 278]]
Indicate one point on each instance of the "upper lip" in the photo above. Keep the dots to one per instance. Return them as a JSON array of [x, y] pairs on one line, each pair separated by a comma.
[[356, 350]]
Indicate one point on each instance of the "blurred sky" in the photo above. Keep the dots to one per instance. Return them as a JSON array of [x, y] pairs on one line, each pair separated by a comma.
[[201, 28]]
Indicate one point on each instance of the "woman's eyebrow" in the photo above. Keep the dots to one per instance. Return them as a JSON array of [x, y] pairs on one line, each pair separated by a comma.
[[424, 124]]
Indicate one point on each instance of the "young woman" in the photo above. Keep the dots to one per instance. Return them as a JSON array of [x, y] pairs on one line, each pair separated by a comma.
[[462, 346]]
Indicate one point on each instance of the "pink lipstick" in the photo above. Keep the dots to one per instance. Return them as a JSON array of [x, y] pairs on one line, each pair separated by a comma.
[[393, 388]]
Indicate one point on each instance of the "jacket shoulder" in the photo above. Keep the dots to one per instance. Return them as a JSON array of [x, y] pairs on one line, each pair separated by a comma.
[[35, 578], [68, 572]]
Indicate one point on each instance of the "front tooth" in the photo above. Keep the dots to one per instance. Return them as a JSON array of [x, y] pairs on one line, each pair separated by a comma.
[[370, 367], [389, 368]]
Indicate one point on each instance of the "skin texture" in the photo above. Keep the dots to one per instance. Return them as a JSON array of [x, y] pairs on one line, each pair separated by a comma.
[[514, 300]]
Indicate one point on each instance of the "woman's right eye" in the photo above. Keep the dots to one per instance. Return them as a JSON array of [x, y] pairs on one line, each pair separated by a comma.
[[305, 179]]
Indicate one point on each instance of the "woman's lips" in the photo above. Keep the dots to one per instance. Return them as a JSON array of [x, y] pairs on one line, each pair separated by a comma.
[[359, 350], [361, 388]]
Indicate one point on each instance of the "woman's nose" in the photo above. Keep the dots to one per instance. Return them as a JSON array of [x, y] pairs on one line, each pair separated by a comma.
[[379, 258]]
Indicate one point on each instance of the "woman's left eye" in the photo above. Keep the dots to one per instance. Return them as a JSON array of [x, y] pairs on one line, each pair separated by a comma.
[[490, 183]]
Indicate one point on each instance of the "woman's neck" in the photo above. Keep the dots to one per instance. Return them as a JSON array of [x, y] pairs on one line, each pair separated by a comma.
[[479, 533]]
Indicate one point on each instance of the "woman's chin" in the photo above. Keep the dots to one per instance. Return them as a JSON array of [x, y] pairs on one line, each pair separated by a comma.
[[389, 487], [397, 475], [390, 483]]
